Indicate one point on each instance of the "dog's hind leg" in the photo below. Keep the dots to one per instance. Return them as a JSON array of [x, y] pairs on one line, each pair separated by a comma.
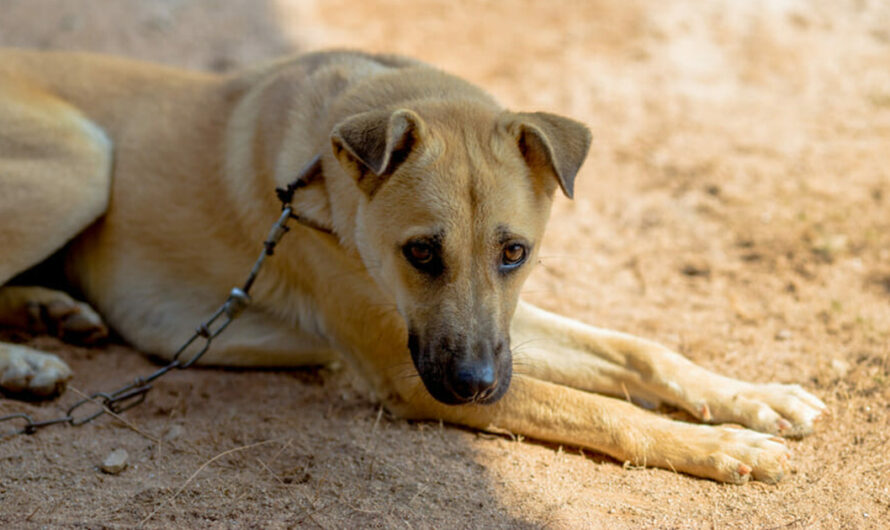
[[55, 174], [42, 310], [55, 177]]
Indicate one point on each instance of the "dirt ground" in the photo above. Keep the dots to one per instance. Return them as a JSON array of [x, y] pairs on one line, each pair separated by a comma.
[[734, 206]]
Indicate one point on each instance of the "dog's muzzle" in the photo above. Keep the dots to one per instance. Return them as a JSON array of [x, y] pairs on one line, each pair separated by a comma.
[[456, 371]]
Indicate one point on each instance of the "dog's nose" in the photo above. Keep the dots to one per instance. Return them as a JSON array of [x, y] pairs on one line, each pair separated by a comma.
[[473, 379]]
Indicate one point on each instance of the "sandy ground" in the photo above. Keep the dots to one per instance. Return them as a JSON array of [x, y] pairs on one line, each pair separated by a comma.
[[734, 206]]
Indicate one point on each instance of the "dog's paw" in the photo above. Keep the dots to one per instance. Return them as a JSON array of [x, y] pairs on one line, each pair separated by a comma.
[[774, 408], [56, 313], [735, 455], [31, 374]]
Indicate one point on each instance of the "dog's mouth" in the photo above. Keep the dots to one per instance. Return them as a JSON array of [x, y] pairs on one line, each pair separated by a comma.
[[455, 373]]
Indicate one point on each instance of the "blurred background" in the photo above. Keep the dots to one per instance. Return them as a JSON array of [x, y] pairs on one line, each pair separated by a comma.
[[734, 206]]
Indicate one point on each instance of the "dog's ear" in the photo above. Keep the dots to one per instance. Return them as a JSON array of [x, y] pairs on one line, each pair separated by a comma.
[[553, 143], [371, 145]]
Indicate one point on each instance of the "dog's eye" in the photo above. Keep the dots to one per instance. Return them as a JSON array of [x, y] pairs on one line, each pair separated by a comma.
[[425, 255], [513, 255], [420, 253]]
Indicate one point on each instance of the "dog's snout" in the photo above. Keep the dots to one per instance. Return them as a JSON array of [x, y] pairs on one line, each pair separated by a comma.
[[456, 371], [473, 379]]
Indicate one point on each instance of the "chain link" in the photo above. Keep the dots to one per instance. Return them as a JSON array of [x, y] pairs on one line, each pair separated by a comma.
[[133, 393]]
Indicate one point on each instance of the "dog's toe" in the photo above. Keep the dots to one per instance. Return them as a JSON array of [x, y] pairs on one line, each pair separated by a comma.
[[774, 408], [735, 455], [59, 314], [31, 374]]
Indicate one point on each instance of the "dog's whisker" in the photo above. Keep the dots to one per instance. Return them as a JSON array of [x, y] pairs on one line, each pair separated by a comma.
[[526, 342], [407, 373], [416, 391]]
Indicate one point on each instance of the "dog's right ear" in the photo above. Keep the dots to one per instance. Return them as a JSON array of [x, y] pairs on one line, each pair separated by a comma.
[[371, 145]]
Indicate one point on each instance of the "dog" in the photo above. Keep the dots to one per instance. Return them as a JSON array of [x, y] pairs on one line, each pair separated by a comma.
[[151, 190]]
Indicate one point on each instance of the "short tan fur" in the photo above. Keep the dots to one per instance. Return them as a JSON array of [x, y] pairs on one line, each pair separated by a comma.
[[424, 216]]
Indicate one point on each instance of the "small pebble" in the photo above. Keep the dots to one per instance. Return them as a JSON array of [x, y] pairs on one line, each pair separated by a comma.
[[174, 432], [115, 462], [783, 334], [840, 367], [697, 269]]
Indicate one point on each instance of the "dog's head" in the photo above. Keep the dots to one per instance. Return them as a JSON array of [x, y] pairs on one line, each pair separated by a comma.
[[453, 202]]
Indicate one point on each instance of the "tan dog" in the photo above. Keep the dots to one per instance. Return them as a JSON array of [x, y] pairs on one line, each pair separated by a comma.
[[430, 202]]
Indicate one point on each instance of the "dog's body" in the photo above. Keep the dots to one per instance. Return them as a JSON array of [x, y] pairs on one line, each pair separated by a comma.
[[425, 212]]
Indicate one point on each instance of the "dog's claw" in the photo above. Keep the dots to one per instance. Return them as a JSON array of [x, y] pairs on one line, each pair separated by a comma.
[[783, 425], [705, 412]]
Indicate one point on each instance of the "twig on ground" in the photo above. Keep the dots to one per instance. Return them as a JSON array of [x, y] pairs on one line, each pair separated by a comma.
[[195, 474], [117, 416]]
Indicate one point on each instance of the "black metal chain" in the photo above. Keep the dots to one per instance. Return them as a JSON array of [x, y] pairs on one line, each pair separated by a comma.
[[133, 393]]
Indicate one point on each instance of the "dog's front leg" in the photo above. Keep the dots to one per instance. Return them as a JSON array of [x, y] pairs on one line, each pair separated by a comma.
[[374, 338], [568, 352], [559, 414]]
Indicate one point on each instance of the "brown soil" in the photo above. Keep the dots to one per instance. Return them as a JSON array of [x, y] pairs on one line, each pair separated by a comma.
[[734, 206]]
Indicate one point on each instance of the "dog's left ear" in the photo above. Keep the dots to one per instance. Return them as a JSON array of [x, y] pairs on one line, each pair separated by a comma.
[[553, 143], [373, 144]]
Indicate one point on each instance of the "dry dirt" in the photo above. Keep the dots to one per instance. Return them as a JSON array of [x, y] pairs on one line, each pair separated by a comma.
[[734, 206]]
